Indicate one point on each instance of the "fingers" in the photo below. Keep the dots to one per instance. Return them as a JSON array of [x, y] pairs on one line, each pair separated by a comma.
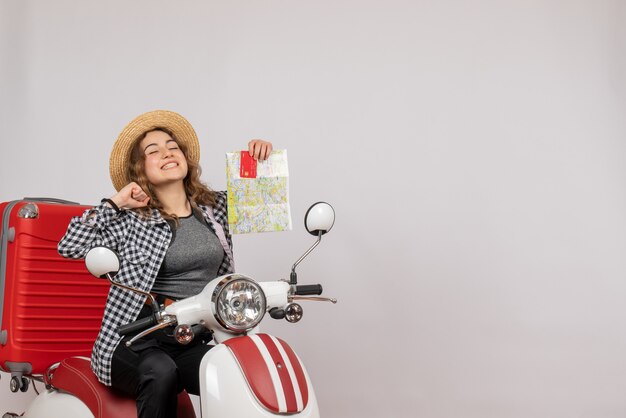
[[142, 203], [138, 194], [139, 197], [131, 196], [259, 149], [268, 150]]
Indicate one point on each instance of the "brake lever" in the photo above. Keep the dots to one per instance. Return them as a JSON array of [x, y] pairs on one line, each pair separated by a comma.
[[164, 322], [315, 298]]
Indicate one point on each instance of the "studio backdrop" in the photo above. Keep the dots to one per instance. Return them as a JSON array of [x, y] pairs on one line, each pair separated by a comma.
[[474, 152]]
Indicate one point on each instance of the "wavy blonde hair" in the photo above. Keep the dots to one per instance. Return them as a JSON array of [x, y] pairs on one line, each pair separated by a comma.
[[197, 192]]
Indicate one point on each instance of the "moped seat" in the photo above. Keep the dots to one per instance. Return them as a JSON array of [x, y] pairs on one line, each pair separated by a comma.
[[74, 375]]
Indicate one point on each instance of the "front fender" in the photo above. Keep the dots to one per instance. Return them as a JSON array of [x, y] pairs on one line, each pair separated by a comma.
[[244, 378]]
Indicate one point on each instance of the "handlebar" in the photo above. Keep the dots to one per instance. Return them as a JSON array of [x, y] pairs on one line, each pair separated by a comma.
[[308, 289], [151, 322], [137, 325]]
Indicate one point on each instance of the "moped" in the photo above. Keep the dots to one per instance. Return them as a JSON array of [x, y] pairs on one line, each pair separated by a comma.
[[246, 374]]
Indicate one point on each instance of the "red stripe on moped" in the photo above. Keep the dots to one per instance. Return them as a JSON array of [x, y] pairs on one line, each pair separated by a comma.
[[255, 371], [283, 373], [299, 371]]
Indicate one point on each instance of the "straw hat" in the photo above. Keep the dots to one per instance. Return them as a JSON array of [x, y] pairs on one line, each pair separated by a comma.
[[172, 121]]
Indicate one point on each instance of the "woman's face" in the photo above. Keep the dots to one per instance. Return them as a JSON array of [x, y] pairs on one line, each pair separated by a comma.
[[165, 163]]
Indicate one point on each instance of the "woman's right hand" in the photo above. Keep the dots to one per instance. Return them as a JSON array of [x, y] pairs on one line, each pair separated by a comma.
[[131, 196]]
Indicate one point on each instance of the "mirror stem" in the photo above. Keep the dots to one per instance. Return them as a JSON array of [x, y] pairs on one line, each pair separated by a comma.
[[293, 279], [155, 306]]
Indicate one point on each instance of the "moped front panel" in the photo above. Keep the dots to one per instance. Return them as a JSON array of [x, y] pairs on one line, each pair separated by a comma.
[[225, 391]]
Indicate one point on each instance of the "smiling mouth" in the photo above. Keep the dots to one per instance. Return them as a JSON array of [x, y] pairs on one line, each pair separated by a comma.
[[169, 165]]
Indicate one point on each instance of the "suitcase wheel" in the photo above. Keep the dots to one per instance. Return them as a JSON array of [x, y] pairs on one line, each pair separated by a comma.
[[19, 383], [15, 383], [25, 383]]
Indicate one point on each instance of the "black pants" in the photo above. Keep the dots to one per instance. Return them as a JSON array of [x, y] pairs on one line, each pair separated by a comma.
[[155, 369]]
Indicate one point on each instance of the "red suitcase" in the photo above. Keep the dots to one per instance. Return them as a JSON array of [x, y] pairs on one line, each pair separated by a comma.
[[50, 306]]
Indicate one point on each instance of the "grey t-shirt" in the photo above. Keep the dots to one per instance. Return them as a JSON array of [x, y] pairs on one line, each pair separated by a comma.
[[191, 261]]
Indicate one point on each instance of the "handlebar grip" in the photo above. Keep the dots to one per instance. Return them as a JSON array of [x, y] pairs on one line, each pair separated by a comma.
[[308, 289], [138, 325]]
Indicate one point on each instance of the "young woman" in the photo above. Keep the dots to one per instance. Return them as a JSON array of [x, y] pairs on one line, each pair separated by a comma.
[[171, 232]]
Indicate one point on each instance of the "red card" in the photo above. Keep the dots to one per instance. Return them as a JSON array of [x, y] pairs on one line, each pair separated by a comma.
[[247, 166]]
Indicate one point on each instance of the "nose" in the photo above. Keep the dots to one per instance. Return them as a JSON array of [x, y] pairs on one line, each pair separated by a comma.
[[166, 152]]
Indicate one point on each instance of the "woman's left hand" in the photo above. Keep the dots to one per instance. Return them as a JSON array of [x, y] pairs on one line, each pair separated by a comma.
[[259, 150]]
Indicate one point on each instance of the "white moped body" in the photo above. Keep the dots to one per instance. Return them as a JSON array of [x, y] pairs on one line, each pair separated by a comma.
[[247, 376], [224, 392], [55, 404]]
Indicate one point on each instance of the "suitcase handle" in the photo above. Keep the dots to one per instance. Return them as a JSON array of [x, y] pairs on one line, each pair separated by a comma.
[[51, 200]]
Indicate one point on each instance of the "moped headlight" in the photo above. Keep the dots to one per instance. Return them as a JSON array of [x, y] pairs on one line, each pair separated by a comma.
[[239, 303]]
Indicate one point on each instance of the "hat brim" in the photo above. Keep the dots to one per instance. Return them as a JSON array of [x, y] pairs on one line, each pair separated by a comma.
[[172, 121]]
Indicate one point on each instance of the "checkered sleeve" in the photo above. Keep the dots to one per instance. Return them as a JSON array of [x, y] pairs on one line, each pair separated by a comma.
[[100, 225], [220, 211]]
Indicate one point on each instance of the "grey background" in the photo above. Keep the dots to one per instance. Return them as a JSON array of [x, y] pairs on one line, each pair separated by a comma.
[[473, 150]]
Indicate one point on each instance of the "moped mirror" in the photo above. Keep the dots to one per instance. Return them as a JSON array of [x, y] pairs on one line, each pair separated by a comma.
[[318, 220], [104, 263], [101, 261], [320, 217]]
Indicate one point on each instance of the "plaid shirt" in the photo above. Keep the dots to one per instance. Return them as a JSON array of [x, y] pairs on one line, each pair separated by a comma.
[[141, 244]]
